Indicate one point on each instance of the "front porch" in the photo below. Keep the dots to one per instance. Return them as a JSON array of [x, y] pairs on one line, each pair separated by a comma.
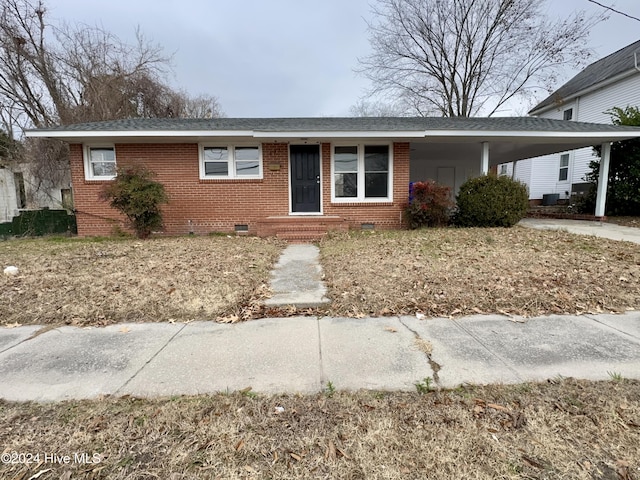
[[300, 228]]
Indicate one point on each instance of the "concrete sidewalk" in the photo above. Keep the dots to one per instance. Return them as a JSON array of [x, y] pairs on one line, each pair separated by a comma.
[[583, 227], [302, 354]]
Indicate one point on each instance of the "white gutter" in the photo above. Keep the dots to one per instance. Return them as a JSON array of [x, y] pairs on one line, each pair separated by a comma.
[[522, 133], [480, 134]]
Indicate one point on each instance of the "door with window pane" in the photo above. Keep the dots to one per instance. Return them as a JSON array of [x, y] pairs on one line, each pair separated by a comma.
[[564, 168], [305, 178]]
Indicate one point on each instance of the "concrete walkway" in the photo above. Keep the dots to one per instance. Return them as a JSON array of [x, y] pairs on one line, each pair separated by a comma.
[[582, 227], [297, 278], [302, 354]]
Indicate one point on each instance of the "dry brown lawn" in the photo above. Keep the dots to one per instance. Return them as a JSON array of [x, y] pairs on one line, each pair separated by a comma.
[[436, 272], [104, 281], [448, 272], [562, 429]]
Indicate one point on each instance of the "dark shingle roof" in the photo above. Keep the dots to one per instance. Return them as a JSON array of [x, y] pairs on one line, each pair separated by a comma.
[[337, 124], [604, 69]]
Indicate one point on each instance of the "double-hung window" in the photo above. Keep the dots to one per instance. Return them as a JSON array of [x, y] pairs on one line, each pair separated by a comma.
[[362, 173], [230, 162], [100, 162], [564, 168]]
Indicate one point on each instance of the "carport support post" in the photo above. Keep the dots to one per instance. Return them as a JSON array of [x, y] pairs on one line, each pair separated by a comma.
[[603, 180], [484, 169]]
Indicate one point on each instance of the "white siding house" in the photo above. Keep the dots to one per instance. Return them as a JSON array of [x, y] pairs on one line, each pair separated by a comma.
[[613, 81], [19, 191]]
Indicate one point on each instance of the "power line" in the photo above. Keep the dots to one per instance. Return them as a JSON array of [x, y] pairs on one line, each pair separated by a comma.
[[614, 10]]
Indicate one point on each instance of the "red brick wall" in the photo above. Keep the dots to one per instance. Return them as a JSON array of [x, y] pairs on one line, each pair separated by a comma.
[[385, 215], [218, 205]]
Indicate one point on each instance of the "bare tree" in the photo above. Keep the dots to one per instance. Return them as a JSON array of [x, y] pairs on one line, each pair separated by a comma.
[[370, 108], [62, 74], [198, 106], [9, 150], [469, 57]]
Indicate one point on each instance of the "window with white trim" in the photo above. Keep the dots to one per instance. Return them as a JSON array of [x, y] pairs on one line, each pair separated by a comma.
[[100, 162], [361, 173], [503, 169], [229, 161], [568, 114], [564, 168]]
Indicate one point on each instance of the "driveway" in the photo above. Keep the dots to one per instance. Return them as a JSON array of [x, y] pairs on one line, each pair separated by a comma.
[[582, 227]]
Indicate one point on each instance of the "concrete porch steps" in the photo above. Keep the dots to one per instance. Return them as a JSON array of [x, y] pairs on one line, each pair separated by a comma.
[[301, 229]]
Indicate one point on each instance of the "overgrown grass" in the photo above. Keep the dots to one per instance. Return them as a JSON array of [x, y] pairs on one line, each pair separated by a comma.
[[436, 272], [445, 272], [561, 429], [100, 281]]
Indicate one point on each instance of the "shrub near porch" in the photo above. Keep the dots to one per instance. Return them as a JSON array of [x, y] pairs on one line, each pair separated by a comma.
[[457, 271]]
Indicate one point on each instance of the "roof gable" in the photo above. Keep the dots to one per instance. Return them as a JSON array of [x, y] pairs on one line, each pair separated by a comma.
[[607, 68]]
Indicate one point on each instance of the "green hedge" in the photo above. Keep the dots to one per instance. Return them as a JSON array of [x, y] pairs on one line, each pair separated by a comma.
[[39, 222]]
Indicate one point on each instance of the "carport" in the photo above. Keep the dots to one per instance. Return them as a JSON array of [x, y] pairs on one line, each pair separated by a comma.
[[455, 149]]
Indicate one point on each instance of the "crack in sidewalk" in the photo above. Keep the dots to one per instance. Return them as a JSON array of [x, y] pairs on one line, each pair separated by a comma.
[[435, 366], [150, 360], [40, 331], [594, 319], [481, 343], [323, 378]]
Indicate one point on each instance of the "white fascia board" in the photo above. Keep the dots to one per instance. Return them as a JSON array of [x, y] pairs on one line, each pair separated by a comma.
[[137, 133], [339, 134], [583, 92], [527, 134]]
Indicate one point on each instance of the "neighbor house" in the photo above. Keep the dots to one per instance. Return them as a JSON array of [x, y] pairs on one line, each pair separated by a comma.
[[613, 81], [20, 190], [297, 177]]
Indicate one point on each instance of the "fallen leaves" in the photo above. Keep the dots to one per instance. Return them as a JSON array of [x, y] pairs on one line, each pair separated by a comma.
[[84, 282], [508, 418], [469, 432], [454, 272]]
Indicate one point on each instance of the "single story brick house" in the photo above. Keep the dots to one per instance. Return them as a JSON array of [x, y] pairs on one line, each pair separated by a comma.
[[297, 177]]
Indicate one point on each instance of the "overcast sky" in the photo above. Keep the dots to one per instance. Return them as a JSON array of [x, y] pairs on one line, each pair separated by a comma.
[[280, 58]]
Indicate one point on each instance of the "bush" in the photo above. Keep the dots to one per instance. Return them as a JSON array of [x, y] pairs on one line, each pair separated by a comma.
[[134, 193], [491, 201], [429, 206]]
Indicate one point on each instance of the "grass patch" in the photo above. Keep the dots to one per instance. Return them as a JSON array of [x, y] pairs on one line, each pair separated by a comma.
[[562, 429], [449, 272], [104, 281]]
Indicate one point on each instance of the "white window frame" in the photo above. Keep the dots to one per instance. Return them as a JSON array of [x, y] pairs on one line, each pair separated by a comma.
[[568, 158], [88, 170], [504, 169], [360, 198], [231, 149]]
